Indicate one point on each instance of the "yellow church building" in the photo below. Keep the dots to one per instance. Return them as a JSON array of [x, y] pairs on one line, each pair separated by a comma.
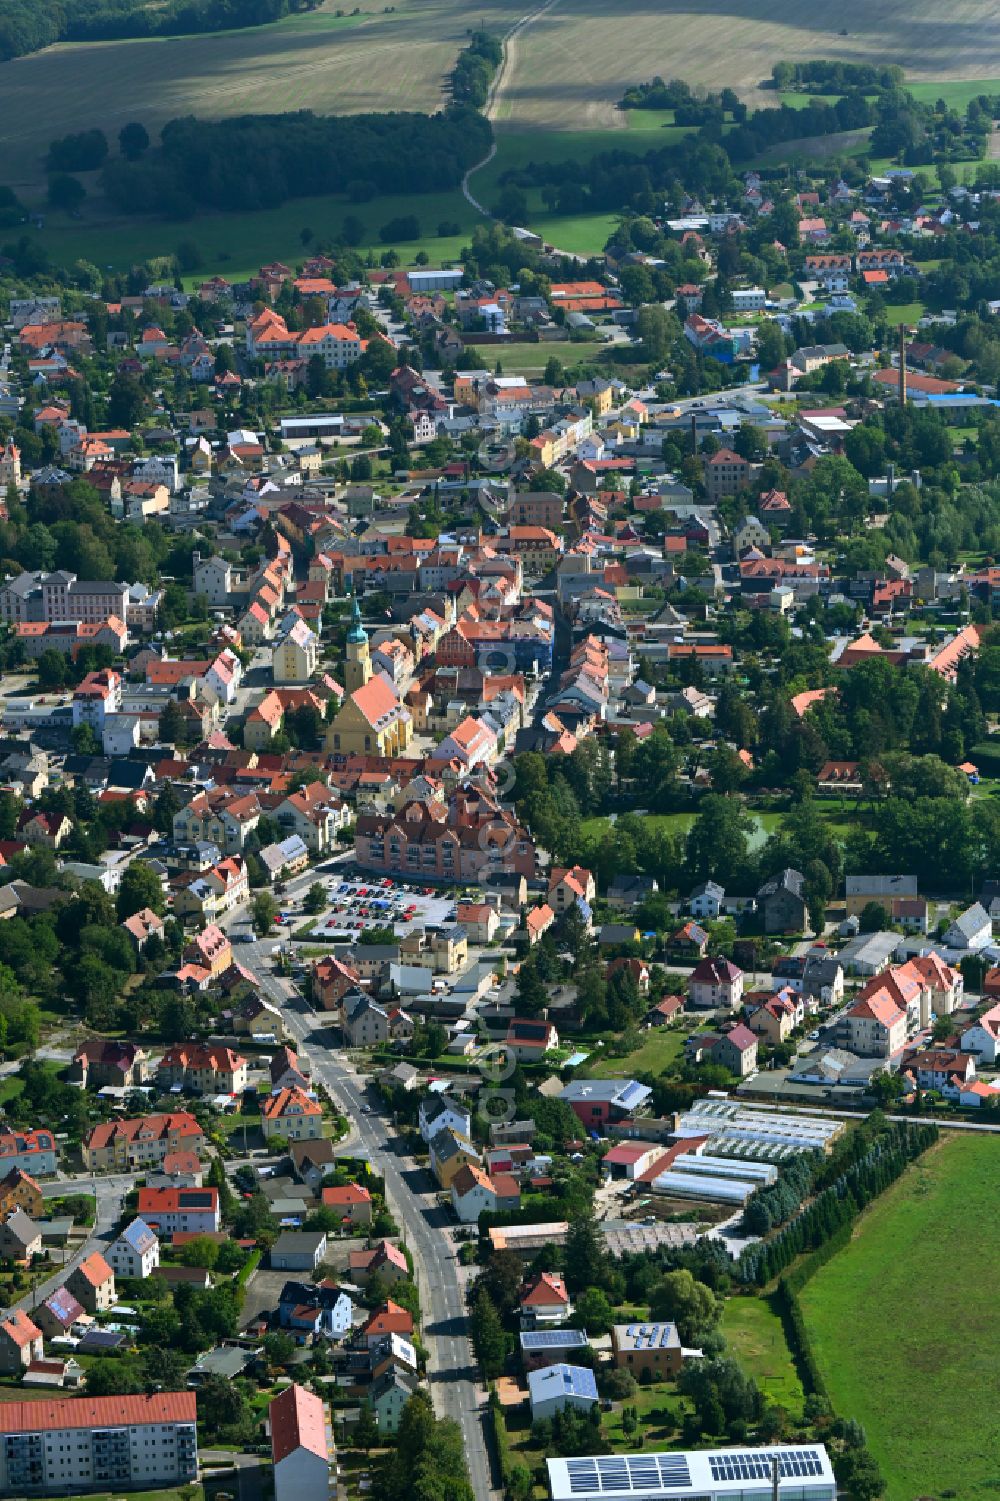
[[371, 720]]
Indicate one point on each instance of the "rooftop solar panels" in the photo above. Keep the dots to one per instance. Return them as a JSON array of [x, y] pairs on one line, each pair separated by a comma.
[[737, 1474], [756, 1465], [626, 1474], [552, 1339]]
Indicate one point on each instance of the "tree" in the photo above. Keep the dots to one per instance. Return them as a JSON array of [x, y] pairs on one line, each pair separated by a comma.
[[133, 140], [140, 887], [719, 839], [366, 1431], [489, 1339], [653, 326], [66, 192], [264, 910], [315, 898], [279, 1347], [873, 918], [593, 1311], [532, 997], [586, 1260], [686, 1302]]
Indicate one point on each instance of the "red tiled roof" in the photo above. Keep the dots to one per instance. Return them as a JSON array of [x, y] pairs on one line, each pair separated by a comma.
[[98, 1412], [298, 1421]]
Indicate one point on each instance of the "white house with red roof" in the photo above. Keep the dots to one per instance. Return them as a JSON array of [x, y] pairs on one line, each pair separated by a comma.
[[544, 1301], [300, 1446], [876, 1025], [716, 983], [983, 1037]]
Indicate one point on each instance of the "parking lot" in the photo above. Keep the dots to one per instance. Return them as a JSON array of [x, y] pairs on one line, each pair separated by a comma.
[[360, 903]]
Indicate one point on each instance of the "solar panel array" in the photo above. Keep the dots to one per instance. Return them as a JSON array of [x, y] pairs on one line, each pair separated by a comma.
[[551, 1339], [757, 1465], [651, 1336], [616, 1475]]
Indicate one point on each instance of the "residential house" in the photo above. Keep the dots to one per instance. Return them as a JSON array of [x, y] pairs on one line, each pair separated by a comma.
[[599, 1103], [351, 1202], [716, 983], [388, 1395], [286, 1072], [92, 1284], [561, 1388], [18, 1190], [136, 1251], [385, 1260], [20, 1343], [437, 1113], [300, 1446], [775, 1018], [528, 1039], [647, 1350], [32, 1151], [876, 1026], [544, 1301], [292, 1114], [448, 1153], [737, 1051], [59, 1313], [982, 1037], [142, 1141], [20, 1238], [782, 903], [184, 1211], [705, 901], [971, 930], [203, 1068], [100, 1062], [474, 1192]]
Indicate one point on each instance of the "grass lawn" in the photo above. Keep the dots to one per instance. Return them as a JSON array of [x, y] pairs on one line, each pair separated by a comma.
[[755, 1333], [525, 358], [904, 312], [661, 1047], [896, 1332], [674, 822], [661, 1411]]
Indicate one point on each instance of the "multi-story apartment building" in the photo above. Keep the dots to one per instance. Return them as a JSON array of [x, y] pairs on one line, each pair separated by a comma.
[[183, 1211], [61, 596], [204, 1068], [139, 1142], [445, 844], [33, 1152], [66, 1446]]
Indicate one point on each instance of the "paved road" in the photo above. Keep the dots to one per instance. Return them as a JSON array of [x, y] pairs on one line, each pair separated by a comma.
[[455, 1389], [110, 1193]]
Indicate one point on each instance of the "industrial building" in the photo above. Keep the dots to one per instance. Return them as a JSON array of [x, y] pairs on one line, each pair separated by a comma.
[[804, 1474]]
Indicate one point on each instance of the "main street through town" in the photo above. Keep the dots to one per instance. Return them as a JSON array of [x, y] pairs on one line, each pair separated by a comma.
[[455, 1388]]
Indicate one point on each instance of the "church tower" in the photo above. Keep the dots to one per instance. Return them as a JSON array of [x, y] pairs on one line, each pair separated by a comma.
[[358, 667]]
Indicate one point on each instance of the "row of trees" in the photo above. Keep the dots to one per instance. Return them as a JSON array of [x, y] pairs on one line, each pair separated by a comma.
[[838, 1204], [200, 162]]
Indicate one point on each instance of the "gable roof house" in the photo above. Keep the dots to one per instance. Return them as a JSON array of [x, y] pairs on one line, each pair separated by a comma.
[[20, 1343], [92, 1283], [544, 1300], [300, 1448], [782, 903]]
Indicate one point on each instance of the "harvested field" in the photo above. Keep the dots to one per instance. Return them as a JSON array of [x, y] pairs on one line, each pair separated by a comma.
[[334, 65], [574, 62]]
